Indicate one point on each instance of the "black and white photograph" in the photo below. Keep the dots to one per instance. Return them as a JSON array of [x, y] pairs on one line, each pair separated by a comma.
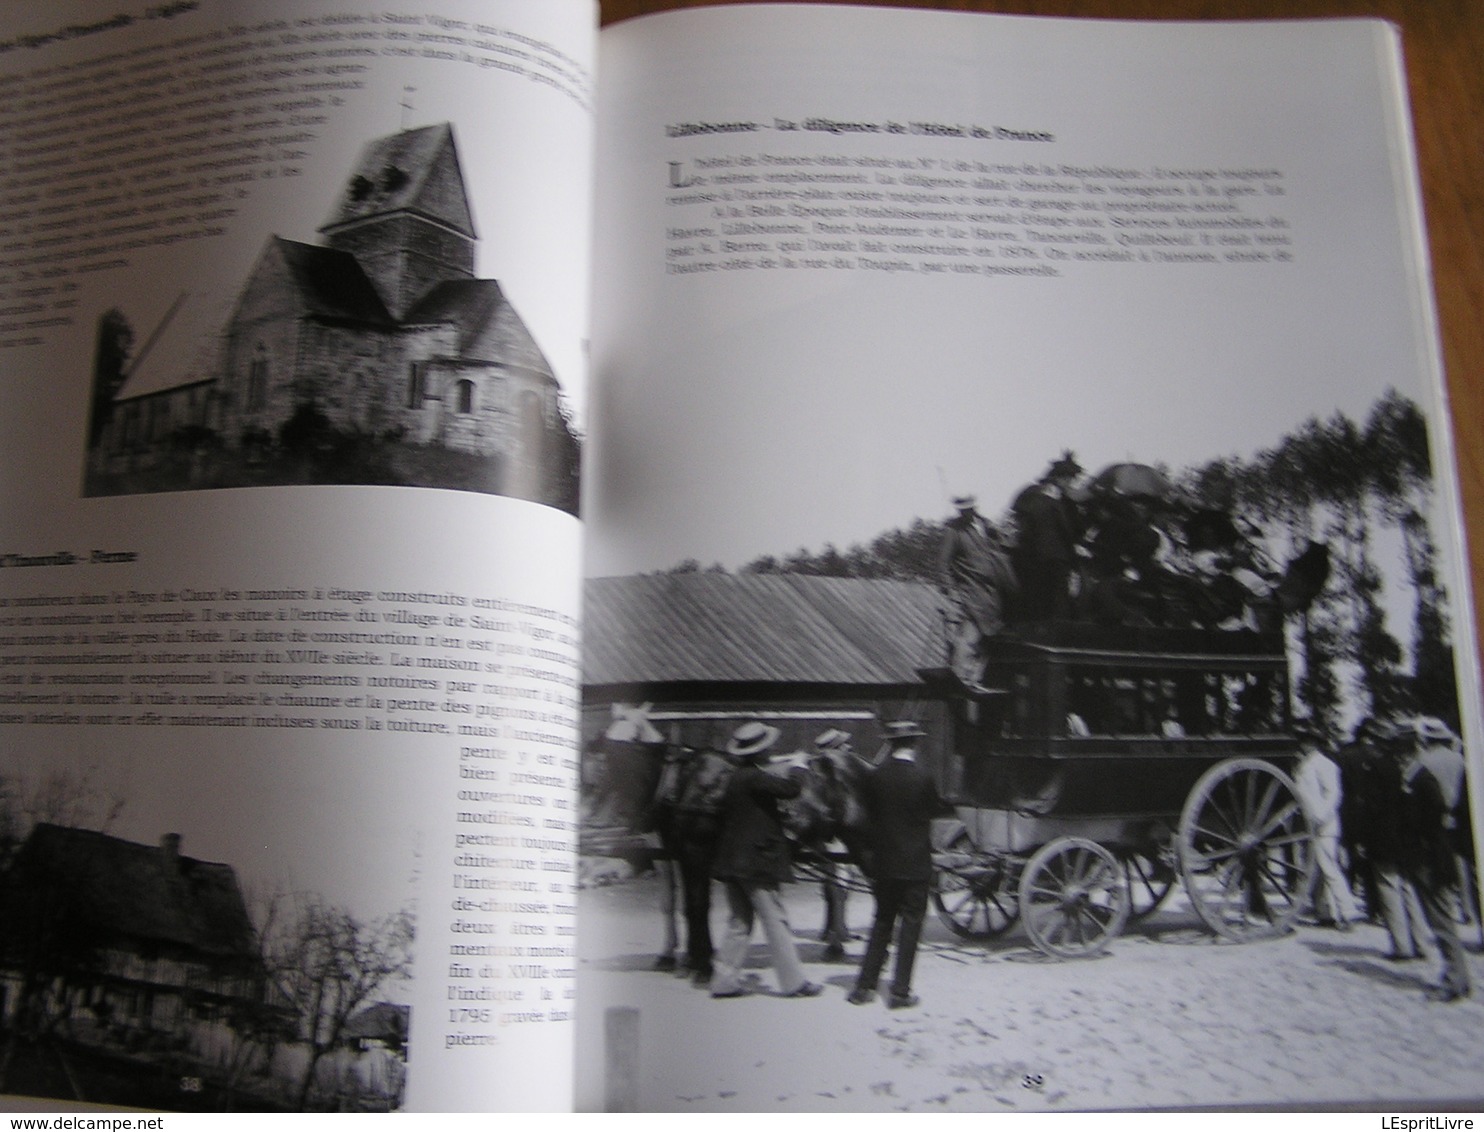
[[1045, 693], [236, 966], [1142, 724], [370, 353]]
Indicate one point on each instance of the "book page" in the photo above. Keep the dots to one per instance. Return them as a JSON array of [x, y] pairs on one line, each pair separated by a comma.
[[1054, 406], [293, 309]]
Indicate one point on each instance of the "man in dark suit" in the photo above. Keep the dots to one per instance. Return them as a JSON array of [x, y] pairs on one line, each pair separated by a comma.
[[752, 862], [1046, 550], [1432, 773], [901, 802]]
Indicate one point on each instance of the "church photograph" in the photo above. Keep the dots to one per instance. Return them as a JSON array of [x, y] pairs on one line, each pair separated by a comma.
[[371, 356]]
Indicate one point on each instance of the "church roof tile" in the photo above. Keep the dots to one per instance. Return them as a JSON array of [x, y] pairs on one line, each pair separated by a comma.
[[332, 283]]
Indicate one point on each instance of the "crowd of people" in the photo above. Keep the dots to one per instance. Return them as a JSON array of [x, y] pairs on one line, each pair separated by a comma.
[[752, 860], [1399, 816], [1388, 813], [1115, 549]]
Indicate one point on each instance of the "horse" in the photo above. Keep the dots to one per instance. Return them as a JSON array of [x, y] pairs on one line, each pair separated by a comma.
[[633, 783], [623, 778], [688, 818], [828, 811], [674, 793]]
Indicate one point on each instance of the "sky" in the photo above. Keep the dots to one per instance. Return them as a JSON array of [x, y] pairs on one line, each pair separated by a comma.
[[799, 429], [749, 413]]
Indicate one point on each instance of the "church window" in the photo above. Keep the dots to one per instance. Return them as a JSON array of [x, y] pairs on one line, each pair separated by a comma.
[[464, 393], [129, 431], [257, 380], [417, 385]]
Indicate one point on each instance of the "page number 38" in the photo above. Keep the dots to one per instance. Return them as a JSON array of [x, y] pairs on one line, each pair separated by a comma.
[[1033, 1081]]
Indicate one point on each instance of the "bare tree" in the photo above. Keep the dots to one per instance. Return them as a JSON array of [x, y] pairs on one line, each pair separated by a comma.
[[44, 930], [72, 798], [331, 964]]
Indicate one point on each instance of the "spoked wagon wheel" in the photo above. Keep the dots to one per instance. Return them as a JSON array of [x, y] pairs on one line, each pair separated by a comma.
[[1150, 880], [1073, 897], [1246, 850], [974, 893]]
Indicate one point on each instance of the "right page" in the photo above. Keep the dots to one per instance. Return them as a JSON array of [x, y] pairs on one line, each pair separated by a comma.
[[1023, 508]]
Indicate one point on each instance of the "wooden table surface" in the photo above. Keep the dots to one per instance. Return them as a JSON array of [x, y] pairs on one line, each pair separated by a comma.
[[1444, 45]]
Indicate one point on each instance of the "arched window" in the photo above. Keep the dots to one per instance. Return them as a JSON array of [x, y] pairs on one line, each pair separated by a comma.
[[415, 385], [128, 433], [257, 379], [464, 396]]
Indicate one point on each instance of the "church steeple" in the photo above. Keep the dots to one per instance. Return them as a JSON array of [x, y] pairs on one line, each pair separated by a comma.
[[405, 216]]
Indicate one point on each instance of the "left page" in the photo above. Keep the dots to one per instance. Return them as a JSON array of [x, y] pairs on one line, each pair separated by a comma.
[[293, 302]]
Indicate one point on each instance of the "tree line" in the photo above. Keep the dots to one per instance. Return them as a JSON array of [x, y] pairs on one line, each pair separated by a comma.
[[1338, 481]]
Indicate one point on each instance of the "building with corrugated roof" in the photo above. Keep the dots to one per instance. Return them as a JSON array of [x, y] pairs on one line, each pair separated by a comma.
[[704, 652]]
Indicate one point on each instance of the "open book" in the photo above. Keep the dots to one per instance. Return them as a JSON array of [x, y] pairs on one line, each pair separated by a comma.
[[1058, 401]]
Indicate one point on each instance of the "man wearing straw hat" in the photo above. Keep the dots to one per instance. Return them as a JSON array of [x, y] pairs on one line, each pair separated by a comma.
[[752, 863]]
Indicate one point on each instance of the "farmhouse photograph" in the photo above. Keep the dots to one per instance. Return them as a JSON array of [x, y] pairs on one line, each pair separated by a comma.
[[135, 974]]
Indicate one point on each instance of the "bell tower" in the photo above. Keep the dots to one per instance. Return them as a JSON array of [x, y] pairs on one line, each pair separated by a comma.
[[404, 215]]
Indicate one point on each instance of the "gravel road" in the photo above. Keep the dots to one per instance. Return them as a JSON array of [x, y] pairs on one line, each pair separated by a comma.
[[1169, 1017]]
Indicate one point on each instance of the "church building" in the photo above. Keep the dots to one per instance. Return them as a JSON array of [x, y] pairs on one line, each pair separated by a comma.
[[381, 328]]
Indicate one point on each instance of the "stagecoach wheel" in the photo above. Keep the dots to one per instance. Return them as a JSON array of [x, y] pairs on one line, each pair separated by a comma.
[[1246, 850], [976, 900], [1150, 880], [1074, 898]]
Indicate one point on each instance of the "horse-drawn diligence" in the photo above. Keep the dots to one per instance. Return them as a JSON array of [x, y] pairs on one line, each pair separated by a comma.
[[1108, 764], [1104, 767], [1095, 768]]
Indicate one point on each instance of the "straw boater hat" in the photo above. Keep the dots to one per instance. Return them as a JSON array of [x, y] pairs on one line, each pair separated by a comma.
[[834, 737], [752, 738], [1431, 730], [902, 730]]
